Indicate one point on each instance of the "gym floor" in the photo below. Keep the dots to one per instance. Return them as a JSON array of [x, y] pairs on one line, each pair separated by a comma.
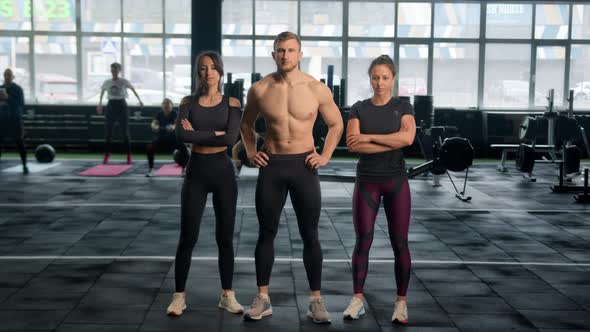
[[96, 254]]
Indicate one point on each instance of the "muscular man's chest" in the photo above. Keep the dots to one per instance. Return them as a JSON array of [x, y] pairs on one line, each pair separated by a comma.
[[296, 103]]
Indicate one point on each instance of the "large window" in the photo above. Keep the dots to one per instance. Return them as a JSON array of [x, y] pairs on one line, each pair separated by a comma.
[[55, 77], [321, 18], [507, 73], [75, 41], [15, 15], [237, 59], [413, 20], [141, 16], [450, 62], [273, 17], [551, 21], [550, 73], [96, 19], [178, 16], [371, 19], [360, 55], [465, 53], [413, 70], [14, 53], [237, 17], [54, 15], [97, 55], [581, 22], [580, 75], [509, 20], [456, 20], [178, 68], [318, 55]]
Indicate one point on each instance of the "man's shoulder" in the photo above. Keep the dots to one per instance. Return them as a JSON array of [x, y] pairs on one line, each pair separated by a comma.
[[262, 84]]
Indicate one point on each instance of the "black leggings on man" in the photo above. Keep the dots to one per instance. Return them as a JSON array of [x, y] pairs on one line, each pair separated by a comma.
[[207, 173], [116, 111], [288, 174]]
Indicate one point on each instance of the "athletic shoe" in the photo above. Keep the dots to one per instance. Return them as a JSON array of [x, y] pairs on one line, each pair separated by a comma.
[[151, 173], [177, 306], [105, 160], [129, 160], [355, 309], [317, 311], [260, 307], [229, 303], [25, 170], [400, 314]]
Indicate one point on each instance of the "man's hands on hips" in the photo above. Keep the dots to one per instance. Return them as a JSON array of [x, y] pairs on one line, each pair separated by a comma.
[[260, 159], [315, 160]]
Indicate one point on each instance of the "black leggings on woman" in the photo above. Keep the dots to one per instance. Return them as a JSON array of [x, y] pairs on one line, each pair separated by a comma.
[[365, 205], [207, 173]]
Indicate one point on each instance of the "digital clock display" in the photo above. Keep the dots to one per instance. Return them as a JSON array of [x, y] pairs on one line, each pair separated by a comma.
[[50, 9]]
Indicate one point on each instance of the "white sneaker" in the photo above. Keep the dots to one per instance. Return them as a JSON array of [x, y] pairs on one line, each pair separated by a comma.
[[151, 173], [317, 311], [229, 303], [355, 309], [400, 314], [177, 306]]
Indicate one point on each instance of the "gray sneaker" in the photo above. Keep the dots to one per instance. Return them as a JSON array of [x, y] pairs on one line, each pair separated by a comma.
[[317, 311], [230, 303], [260, 307]]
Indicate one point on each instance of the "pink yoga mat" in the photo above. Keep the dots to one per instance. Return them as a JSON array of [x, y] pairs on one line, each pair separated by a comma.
[[169, 170], [105, 170]]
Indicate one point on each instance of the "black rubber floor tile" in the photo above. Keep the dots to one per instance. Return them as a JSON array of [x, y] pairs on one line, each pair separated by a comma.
[[40, 300], [502, 272], [540, 301], [53, 284], [520, 286], [139, 266], [513, 322], [129, 298], [97, 328], [13, 320], [458, 289], [130, 280], [103, 314], [559, 319], [474, 305]]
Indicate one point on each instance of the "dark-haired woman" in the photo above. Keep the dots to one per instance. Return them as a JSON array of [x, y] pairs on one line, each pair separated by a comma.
[[377, 129], [210, 122]]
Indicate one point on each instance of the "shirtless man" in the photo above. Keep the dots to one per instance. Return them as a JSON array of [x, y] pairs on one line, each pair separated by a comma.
[[289, 101]]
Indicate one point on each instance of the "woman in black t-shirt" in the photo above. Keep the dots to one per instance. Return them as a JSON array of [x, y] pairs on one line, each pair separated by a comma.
[[377, 129]]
